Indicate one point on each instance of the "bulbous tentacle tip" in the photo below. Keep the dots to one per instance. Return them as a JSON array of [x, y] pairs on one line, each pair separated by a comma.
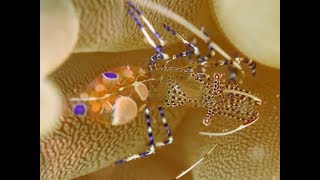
[[50, 98]]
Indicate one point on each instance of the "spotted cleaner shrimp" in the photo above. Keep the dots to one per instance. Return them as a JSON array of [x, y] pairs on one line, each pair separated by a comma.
[[121, 93]]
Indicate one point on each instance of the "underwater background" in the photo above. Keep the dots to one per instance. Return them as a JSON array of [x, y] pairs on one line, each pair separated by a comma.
[[108, 38]]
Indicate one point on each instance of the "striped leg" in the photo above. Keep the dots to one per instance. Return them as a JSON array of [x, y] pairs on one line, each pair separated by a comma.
[[170, 138], [247, 61], [182, 54], [210, 47], [151, 149], [155, 57], [194, 42], [189, 52], [194, 50], [145, 20], [160, 54], [153, 60]]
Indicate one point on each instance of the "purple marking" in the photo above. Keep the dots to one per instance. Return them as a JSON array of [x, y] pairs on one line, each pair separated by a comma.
[[151, 138], [143, 154], [151, 142], [120, 162], [130, 4], [191, 45], [169, 29], [153, 57], [148, 120], [189, 53], [168, 132], [201, 60], [135, 19], [159, 56], [159, 49], [79, 109], [110, 75], [157, 35]]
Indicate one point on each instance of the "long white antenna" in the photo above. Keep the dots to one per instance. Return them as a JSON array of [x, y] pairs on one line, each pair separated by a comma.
[[177, 18], [195, 164], [210, 134]]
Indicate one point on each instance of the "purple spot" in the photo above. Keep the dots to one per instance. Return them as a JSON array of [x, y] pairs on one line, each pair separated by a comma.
[[136, 9], [143, 154], [120, 162], [159, 49], [79, 109], [135, 19], [151, 138], [110, 75], [201, 60], [189, 53], [160, 110]]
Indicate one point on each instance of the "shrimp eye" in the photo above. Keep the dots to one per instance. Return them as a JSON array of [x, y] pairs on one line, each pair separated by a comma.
[[216, 76]]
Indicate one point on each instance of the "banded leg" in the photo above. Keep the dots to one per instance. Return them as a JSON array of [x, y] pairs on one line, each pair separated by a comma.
[[183, 54], [151, 149], [192, 45], [247, 61], [210, 47], [250, 63], [195, 50], [160, 54], [233, 76], [153, 60], [145, 20], [194, 42], [189, 52], [155, 57], [164, 121]]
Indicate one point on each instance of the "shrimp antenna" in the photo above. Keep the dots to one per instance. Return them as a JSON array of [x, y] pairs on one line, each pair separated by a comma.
[[177, 18], [195, 164]]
